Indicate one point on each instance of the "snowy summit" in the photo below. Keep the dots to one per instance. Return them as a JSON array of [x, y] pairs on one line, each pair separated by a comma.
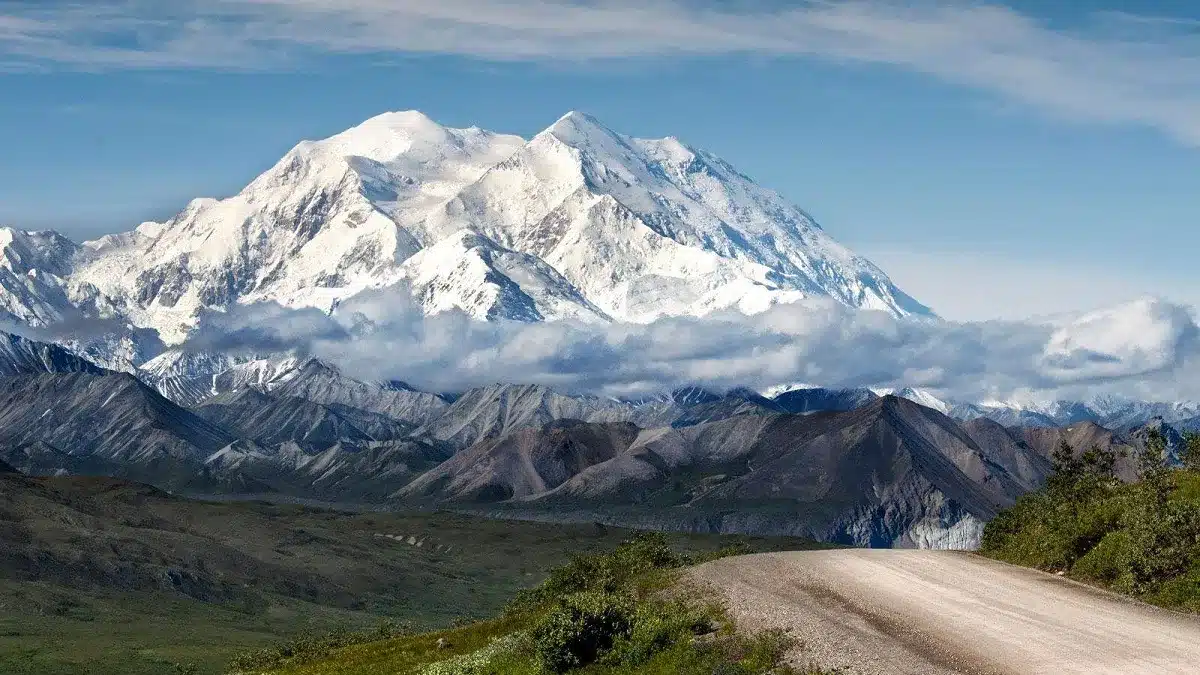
[[578, 222]]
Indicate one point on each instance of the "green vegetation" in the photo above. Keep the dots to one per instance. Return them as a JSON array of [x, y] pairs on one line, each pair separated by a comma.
[[102, 577], [617, 613], [1141, 538], [52, 630]]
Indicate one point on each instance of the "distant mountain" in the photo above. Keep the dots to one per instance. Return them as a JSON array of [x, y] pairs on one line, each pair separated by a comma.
[[106, 424], [488, 412], [22, 356], [577, 222], [921, 396], [844, 466], [1108, 411], [523, 463], [273, 420], [810, 400], [33, 267], [194, 379], [344, 472], [319, 382], [892, 473]]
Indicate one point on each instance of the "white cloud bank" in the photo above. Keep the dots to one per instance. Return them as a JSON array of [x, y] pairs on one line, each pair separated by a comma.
[[379, 335], [1114, 68]]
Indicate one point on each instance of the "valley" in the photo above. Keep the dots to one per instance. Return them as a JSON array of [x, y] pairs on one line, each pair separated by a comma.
[[103, 576]]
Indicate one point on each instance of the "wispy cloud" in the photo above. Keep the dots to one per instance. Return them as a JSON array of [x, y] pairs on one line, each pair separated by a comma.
[[1115, 68]]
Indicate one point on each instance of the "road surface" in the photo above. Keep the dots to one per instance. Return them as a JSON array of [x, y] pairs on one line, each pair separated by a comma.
[[877, 612]]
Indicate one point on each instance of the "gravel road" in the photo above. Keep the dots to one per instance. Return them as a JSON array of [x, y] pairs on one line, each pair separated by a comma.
[[874, 612]]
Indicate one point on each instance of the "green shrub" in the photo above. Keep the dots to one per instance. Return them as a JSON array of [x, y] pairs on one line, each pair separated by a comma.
[[658, 626], [311, 648], [1164, 540], [479, 662], [608, 614], [585, 627], [614, 572], [1141, 538], [1108, 562]]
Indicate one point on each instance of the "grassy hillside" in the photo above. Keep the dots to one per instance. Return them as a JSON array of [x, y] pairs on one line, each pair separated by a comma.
[[102, 577], [1140, 538], [617, 613]]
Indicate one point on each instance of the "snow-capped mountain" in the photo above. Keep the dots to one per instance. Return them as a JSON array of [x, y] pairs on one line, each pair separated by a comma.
[[1113, 412], [32, 269], [919, 396], [650, 228], [578, 222]]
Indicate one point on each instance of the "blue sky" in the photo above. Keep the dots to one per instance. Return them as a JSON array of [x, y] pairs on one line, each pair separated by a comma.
[[997, 160]]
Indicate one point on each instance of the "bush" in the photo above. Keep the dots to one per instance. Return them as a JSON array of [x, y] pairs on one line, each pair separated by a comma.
[[614, 614], [658, 626], [614, 572], [586, 626], [1141, 538], [1108, 562], [479, 662], [1164, 540], [312, 648]]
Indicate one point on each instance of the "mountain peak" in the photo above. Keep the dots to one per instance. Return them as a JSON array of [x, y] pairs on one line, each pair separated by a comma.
[[577, 117], [581, 222], [402, 118], [404, 121], [576, 126], [384, 137]]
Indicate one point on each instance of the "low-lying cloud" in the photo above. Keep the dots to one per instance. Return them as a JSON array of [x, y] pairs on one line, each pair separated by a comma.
[[1108, 67], [381, 336]]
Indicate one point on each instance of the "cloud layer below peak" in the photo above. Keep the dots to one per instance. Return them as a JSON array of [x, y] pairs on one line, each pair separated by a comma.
[[1109, 68], [1144, 348]]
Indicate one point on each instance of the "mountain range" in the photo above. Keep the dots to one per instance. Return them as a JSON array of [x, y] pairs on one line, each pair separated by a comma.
[[849, 466], [578, 223]]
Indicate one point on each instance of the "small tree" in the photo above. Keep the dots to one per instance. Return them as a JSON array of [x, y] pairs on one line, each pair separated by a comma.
[[1067, 469], [1190, 455], [1153, 469], [1079, 478], [1153, 459]]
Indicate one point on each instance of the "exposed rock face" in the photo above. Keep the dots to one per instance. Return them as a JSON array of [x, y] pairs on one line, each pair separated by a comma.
[[272, 420], [524, 463], [114, 417], [890, 474], [318, 382], [109, 424], [488, 412], [348, 473], [21, 356]]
